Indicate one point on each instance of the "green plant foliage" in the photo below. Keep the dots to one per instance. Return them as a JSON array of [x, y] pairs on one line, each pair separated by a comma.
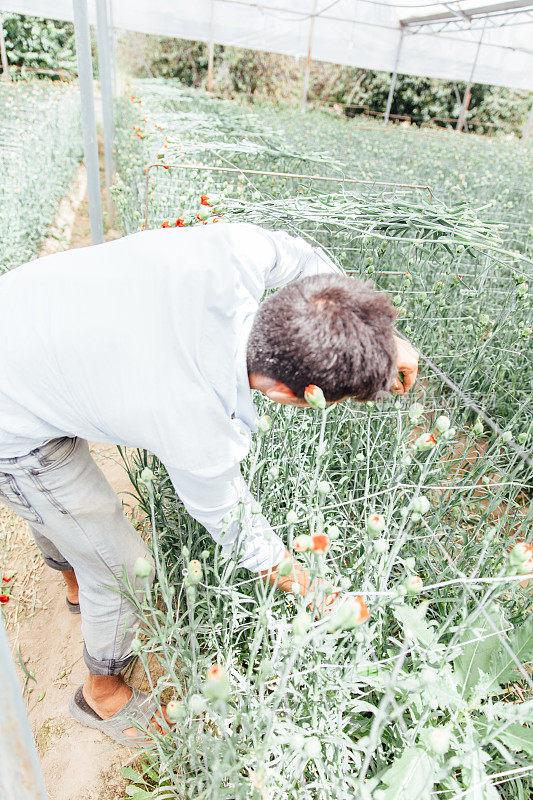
[[39, 43], [257, 75], [431, 694], [40, 146]]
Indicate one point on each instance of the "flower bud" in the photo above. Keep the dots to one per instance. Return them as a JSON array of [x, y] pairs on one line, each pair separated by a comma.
[[194, 573], [442, 423], [375, 523], [196, 704], [415, 412], [217, 685], [324, 487], [334, 532], [525, 567], [292, 517], [381, 545], [203, 213], [349, 614], [176, 711], [301, 623], [413, 584], [264, 423], [298, 741], [285, 567], [312, 747], [320, 543], [315, 397], [439, 740], [136, 645], [142, 568], [421, 504], [477, 427], [449, 434], [520, 553], [302, 543], [425, 442], [147, 477], [255, 507]]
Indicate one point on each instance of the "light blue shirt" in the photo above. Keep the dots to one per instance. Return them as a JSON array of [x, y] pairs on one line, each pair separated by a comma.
[[142, 342]]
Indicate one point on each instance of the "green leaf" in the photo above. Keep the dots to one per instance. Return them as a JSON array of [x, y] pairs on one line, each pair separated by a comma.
[[411, 776], [518, 738], [479, 642], [502, 667], [475, 778], [413, 622], [129, 773]]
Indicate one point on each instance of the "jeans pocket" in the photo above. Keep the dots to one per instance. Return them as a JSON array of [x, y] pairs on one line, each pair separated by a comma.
[[54, 453], [14, 498]]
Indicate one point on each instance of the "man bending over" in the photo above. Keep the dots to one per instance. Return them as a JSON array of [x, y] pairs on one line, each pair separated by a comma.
[[156, 341]]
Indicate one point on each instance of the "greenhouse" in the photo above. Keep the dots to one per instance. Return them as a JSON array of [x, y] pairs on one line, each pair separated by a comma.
[[265, 400]]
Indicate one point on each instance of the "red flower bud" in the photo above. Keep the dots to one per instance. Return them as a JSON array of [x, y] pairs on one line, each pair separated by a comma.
[[4, 598]]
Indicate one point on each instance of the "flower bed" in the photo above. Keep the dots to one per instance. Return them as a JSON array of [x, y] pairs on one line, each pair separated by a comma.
[[415, 685], [40, 145]]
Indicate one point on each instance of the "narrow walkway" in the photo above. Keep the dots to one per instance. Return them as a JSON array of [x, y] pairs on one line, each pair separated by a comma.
[[78, 763]]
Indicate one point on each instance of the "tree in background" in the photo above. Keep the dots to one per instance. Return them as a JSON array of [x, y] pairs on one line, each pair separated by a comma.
[[43, 44], [49, 44]]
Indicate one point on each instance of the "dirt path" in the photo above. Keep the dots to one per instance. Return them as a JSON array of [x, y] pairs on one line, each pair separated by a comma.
[[78, 763]]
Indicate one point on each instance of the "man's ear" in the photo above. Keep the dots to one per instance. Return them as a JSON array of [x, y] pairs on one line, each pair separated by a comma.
[[280, 393]]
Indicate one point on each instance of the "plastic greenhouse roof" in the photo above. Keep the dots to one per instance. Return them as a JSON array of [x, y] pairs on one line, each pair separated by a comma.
[[439, 40]]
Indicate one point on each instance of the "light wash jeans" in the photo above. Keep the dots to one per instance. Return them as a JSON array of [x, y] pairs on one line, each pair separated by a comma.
[[77, 522]]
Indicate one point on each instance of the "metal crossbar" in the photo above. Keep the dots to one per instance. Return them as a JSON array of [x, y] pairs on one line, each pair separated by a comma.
[[238, 171]]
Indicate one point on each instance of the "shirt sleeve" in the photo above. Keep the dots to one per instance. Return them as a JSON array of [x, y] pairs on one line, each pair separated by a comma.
[[295, 259], [223, 505]]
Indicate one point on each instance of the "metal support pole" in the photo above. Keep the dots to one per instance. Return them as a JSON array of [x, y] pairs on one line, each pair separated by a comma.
[[393, 79], [3, 53], [82, 35], [106, 89], [112, 46], [528, 127], [307, 71], [211, 49], [20, 772], [468, 90]]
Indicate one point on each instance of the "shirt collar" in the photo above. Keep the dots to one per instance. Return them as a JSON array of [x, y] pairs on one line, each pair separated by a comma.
[[244, 407]]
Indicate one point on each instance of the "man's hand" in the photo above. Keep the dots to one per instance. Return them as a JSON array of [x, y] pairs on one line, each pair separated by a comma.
[[300, 575], [407, 365]]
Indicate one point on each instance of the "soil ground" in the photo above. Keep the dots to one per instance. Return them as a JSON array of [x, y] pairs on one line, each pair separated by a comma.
[[78, 763]]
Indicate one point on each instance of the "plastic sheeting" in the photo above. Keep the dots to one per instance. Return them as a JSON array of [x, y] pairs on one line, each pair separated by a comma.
[[362, 33]]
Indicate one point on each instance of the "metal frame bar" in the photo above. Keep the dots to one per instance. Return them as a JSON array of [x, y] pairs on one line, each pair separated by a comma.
[[90, 143], [528, 127], [211, 48], [468, 90], [209, 168], [21, 777], [307, 70], [106, 89], [3, 52], [394, 76], [469, 14]]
